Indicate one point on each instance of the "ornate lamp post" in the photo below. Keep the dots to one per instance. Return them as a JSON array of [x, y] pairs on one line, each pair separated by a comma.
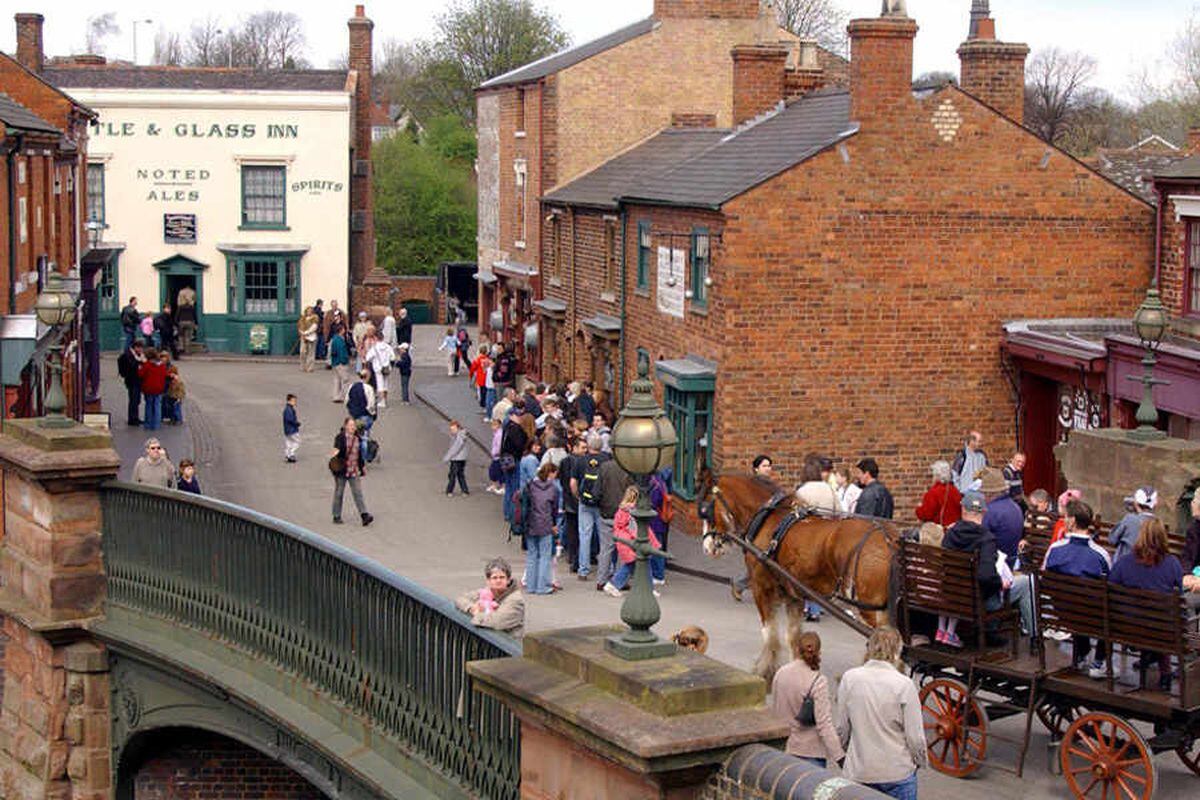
[[1150, 323], [643, 441], [55, 307]]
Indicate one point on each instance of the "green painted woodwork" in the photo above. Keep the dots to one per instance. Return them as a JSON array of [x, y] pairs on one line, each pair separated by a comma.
[[692, 415], [287, 620]]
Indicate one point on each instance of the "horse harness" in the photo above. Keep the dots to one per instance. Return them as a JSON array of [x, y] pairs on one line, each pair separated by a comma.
[[844, 590]]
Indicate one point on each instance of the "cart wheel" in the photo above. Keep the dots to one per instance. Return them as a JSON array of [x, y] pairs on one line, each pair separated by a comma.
[[1104, 756], [1189, 754], [1056, 717], [955, 727]]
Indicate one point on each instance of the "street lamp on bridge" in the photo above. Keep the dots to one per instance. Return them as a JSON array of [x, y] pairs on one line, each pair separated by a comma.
[[1150, 324], [55, 308]]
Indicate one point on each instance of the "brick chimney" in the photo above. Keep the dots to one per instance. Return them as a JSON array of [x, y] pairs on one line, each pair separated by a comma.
[[362, 225], [758, 79], [806, 74], [993, 71], [29, 41], [725, 9], [881, 65], [1193, 141]]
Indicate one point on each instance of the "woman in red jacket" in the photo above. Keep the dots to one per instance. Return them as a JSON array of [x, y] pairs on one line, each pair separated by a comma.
[[943, 502], [153, 376]]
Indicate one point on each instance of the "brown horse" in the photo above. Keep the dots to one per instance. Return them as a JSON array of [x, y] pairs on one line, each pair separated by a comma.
[[835, 555]]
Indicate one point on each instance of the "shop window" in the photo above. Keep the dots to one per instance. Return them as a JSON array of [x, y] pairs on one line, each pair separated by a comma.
[[610, 253], [1192, 279], [95, 193], [645, 248], [700, 265], [264, 200], [264, 286], [692, 415], [107, 288]]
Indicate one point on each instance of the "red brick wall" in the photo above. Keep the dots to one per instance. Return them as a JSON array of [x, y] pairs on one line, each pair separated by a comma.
[[995, 73], [548, 131], [512, 148], [706, 8], [870, 324], [1172, 277], [881, 63], [835, 67], [362, 241], [205, 766], [758, 80], [29, 41]]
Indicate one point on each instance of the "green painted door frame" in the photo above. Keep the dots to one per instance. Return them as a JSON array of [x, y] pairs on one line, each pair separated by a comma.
[[182, 265]]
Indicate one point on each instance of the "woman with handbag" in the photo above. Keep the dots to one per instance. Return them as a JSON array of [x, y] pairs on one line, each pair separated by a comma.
[[347, 462], [801, 693]]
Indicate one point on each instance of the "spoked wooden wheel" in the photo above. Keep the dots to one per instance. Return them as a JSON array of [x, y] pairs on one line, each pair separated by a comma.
[[1105, 757], [955, 728], [1189, 753], [1058, 716]]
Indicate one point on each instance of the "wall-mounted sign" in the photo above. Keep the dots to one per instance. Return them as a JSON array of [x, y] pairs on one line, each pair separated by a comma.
[[197, 130], [671, 265], [173, 184], [179, 228], [316, 187]]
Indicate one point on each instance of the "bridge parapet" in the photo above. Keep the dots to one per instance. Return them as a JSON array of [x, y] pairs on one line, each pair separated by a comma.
[[387, 651]]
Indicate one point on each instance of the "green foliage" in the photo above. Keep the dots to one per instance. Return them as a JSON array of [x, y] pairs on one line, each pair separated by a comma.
[[452, 139], [424, 205]]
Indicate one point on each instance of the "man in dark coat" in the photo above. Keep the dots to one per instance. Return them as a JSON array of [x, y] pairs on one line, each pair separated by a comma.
[[130, 318], [127, 368], [875, 500], [403, 328], [164, 326]]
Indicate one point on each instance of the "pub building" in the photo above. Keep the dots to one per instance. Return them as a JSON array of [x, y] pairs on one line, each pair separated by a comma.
[[249, 188]]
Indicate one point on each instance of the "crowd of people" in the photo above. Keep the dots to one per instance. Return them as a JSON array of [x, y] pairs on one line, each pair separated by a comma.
[[154, 388]]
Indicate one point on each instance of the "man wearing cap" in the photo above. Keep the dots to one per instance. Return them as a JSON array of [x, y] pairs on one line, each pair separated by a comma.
[[1004, 518], [1124, 534], [970, 536]]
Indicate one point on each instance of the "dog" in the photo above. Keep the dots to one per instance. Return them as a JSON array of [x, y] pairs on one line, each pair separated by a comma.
[[692, 638]]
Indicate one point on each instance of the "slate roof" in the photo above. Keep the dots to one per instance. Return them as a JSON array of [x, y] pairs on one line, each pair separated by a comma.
[[1133, 169], [567, 58], [195, 78], [601, 187], [15, 115], [752, 154], [1188, 167]]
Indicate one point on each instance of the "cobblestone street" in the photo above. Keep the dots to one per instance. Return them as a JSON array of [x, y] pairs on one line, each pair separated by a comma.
[[234, 427]]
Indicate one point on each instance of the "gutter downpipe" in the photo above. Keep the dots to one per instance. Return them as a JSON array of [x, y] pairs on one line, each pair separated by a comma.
[[10, 162], [624, 306], [1158, 225]]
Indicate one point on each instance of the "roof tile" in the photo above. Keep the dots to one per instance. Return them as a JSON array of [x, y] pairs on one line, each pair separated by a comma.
[[194, 78]]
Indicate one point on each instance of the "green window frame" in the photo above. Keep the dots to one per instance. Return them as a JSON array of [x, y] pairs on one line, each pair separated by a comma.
[[264, 286], [95, 193], [264, 197], [107, 290], [701, 259], [645, 246], [692, 415]]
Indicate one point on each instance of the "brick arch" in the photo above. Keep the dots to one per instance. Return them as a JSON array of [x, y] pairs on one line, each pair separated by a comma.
[[196, 764]]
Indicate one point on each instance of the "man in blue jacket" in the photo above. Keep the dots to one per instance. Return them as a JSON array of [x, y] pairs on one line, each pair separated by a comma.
[[1076, 554], [339, 360]]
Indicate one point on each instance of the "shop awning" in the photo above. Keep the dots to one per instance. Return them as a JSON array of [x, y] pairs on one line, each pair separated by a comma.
[[515, 268], [18, 340], [551, 308], [690, 374], [603, 325], [485, 276], [1070, 343]]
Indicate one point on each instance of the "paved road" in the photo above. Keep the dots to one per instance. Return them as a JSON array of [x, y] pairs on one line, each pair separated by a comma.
[[443, 543]]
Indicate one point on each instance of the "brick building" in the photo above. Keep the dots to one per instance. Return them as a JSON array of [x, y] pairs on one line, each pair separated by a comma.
[[833, 273], [43, 185], [546, 123]]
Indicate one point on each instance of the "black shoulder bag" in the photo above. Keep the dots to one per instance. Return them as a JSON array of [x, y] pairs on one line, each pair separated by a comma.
[[807, 715]]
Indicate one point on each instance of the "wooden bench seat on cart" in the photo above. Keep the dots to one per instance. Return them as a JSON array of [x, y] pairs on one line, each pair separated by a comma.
[[1155, 622], [1037, 541], [943, 582]]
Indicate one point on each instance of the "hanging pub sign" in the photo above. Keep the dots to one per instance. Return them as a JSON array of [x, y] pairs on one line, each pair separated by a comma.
[[179, 228]]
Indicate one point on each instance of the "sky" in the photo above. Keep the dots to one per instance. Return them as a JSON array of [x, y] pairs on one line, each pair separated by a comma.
[[1125, 36]]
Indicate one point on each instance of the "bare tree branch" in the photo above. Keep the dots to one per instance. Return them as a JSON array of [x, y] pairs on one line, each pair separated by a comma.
[[99, 28], [168, 48], [1056, 86], [822, 20]]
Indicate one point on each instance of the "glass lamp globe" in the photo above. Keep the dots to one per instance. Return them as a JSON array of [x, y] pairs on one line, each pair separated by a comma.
[[1150, 321], [55, 305]]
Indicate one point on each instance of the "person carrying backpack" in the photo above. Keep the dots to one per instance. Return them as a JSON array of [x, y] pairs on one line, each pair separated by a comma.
[[585, 485], [504, 371], [661, 500]]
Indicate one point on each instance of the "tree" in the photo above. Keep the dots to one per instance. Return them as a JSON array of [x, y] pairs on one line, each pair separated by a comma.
[[99, 28], [1056, 86], [168, 48], [491, 37], [937, 76], [270, 40], [424, 207], [206, 47], [822, 20]]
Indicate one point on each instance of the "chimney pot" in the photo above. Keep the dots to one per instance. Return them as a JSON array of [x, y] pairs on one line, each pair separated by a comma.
[[985, 30], [30, 53]]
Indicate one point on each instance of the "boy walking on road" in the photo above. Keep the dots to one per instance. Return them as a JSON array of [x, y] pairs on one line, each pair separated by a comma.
[[456, 455], [291, 430]]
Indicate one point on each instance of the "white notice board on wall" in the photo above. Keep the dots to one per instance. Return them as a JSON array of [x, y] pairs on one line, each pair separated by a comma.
[[671, 280]]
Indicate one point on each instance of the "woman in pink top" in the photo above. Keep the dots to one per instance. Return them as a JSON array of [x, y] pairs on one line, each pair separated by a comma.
[[818, 743]]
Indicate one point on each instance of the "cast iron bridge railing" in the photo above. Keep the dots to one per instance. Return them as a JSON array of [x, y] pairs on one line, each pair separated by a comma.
[[375, 642]]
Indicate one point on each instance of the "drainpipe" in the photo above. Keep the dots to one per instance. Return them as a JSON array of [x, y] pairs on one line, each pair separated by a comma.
[[624, 308], [13, 223], [1158, 225]]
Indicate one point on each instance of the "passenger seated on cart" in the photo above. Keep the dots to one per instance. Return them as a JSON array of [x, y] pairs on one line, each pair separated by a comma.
[[1150, 566], [1191, 556], [1076, 554], [994, 576]]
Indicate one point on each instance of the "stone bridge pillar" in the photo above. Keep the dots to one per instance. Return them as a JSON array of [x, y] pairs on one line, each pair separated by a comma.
[[54, 718], [594, 725]]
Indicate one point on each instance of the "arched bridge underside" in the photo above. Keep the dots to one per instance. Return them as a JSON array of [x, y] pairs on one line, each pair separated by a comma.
[[223, 620]]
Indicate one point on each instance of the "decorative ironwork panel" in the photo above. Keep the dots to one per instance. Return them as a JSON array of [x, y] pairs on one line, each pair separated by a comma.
[[372, 640]]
